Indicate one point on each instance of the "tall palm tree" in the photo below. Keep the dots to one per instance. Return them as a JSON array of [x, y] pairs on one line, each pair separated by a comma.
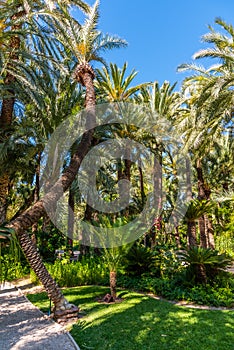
[[20, 32], [85, 43], [210, 97], [164, 103]]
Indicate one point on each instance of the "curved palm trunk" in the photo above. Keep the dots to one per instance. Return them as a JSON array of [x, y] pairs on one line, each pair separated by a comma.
[[32, 215], [39, 268]]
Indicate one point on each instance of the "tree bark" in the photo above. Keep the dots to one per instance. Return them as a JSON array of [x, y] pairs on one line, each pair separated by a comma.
[[113, 283], [192, 234], [203, 232], [205, 226], [4, 186]]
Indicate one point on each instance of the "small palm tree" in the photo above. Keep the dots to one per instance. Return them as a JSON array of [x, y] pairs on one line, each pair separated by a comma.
[[204, 263], [195, 210]]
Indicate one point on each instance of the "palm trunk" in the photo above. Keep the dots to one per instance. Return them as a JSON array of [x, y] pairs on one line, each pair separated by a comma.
[[70, 223], [141, 184], [201, 274], [203, 232], [192, 233], [4, 186], [39, 268], [7, 109], [36, 192], [32, 215], [205, 226], [113, 283]]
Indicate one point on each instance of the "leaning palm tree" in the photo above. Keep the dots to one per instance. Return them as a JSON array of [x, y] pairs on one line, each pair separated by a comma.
[[24, 29], [85, 43]]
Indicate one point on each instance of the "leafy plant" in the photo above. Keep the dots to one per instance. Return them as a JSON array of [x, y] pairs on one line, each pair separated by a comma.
[[204, 263], [139, 260]]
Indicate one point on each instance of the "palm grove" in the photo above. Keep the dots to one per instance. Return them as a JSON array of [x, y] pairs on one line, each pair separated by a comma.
[[48, 74]]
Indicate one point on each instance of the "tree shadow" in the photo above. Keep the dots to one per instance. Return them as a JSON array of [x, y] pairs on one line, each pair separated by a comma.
[[148, 324]]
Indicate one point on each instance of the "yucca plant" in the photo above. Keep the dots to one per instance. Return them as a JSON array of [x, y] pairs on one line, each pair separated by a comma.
[[204, 263]]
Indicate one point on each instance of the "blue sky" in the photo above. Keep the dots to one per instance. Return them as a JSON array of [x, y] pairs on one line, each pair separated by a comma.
[[161, 33]]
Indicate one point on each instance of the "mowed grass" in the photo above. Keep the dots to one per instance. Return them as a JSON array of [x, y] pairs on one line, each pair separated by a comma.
[[143, 323]]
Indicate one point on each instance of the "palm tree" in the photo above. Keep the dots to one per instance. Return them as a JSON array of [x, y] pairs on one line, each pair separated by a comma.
[[211, 90], [211, 103], [195, 210], [164, 103], [21, 31], [85, 43], [113, 86]]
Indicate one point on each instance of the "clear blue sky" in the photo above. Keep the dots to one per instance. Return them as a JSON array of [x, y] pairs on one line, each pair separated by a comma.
[[161, 33]]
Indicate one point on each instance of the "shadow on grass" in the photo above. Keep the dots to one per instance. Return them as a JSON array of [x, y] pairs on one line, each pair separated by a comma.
[[143, 323], [140, 322]]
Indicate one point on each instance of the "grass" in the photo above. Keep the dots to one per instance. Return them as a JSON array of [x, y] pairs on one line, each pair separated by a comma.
[[143, 323]]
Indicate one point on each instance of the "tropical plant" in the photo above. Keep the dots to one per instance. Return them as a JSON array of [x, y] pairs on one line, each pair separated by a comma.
[[204, 263]]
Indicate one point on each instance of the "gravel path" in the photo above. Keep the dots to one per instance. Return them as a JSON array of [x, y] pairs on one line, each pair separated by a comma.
[[24, 327]]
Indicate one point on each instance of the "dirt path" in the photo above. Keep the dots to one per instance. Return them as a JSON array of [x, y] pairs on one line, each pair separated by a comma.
[[24, 327]]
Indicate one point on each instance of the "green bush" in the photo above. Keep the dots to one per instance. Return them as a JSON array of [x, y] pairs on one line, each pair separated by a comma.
[[220, 293], [87, 271]]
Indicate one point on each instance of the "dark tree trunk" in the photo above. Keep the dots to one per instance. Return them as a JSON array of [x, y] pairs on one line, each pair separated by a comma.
[[192, 234], [202, 230], [71, 219], [36, 192], [204, 194], [201, 273], [141, 185], [7, 109], [4, 186]]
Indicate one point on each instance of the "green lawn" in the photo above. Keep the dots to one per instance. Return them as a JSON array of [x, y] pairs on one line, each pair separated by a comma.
[[143, 323]]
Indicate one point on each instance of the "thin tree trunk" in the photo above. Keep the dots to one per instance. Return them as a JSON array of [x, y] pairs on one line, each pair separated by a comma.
[[210, 233], [205, 226], [113, 283], [141, 184], [36, 193], [71, 219]]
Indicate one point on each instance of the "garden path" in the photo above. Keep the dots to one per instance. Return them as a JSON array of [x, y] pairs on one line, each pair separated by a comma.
[[24, 327]]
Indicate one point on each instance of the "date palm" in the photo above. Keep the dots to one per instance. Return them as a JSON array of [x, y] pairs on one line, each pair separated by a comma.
[[113, 86], [85, 43], [211, 90]]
